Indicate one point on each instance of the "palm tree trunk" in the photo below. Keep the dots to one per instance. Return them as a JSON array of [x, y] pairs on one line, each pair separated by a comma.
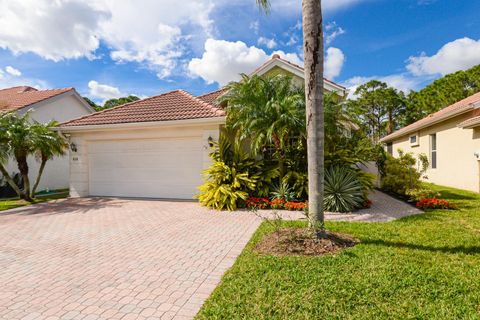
[[10, 181], [23, 168], [313, 55], [39, 176]]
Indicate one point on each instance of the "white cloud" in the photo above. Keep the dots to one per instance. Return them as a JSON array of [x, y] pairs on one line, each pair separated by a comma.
[[10, 78], [334, 61], [150, 32], [103, 91], [55, 30], [223, 61], [457, 55], [12, 71], [157, 35], [269, 43], [255, 26], [403, 82], [332, 31]]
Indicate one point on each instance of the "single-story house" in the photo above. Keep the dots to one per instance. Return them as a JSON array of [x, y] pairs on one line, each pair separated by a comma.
[[156, 147], [450, 138], [44, 106]]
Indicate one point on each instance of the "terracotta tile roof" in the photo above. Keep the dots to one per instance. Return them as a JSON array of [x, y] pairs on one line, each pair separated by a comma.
[[300, 68], [15, 98], [457, 108], [211, 97], [174, 105]]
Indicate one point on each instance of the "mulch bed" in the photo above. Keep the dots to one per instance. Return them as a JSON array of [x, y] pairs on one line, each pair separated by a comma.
[[300, 242]]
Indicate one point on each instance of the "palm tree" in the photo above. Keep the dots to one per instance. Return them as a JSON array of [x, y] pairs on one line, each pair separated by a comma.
[[21, 138], [313, 57], [19, 142], [49, 144], [266, 111], [4, 157]]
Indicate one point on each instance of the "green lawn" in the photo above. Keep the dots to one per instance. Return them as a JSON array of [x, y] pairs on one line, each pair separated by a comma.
[[10, 204], [419, 267]]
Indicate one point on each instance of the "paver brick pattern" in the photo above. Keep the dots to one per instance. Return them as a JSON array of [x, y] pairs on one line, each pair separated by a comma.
[[106, 258]]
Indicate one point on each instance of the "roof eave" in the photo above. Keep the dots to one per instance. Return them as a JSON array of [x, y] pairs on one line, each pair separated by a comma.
[[143, 125], [394, 135]]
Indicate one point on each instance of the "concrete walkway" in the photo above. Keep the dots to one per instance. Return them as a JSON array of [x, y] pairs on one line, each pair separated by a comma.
[[384, 208]]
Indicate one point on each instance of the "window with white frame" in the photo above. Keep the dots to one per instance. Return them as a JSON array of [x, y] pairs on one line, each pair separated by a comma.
[[433, 151], [414, 140]]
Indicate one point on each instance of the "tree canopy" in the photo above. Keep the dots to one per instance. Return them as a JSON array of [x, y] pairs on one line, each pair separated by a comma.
[[379, 109], [112, 102], [442, 93]]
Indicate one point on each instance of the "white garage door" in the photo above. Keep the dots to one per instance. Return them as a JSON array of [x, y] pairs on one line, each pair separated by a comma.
[[157, 168]]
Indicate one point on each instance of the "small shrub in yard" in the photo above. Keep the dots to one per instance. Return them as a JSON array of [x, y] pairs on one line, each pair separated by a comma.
[[434, 203], [343, 191], [422, 193], [403, 173], [256, 203]]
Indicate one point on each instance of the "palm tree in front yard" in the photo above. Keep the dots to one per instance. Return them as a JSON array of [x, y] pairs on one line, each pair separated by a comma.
[[21, 138], [313, 64], [49, 144], [266, 111]]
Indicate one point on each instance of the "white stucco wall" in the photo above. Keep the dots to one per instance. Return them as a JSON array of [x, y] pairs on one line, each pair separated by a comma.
[[61, 108], [79, 161], [456, 164]]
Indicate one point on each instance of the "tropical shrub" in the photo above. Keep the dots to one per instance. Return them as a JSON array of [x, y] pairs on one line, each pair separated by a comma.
[[20, 138], [403, 173], [434, 203], [233, 176], [282, 191], [343, 190], [422, 193]]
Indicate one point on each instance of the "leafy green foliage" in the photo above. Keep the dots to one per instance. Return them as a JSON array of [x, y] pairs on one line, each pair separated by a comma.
[[92, 104], [112, 102], [283, 191], [343, 191], [233, 176], [20, 137], [403, 173], [378, 108], [266, 111], [442, 93]]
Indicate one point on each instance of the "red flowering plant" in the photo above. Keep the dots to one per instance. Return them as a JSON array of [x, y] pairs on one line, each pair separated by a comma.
[[434, 203], [255, 203], [295, 206], [277, 204]]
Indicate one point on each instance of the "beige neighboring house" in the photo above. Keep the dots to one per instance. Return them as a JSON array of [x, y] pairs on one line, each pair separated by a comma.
[[45, 105], [451, 140], [153, 148]]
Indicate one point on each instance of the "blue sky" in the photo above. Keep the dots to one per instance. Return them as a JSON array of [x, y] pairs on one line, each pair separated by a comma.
[[108, 48]]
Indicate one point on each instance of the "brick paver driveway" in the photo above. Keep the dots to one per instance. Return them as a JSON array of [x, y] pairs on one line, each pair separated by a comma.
[[115, 258]]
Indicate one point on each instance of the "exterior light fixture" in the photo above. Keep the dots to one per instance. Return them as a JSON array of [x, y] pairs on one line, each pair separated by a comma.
[[73, 147]]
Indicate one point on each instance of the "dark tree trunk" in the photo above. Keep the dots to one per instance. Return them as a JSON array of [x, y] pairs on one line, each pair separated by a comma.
[[39, 176], [313, 55], [23, 168]]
